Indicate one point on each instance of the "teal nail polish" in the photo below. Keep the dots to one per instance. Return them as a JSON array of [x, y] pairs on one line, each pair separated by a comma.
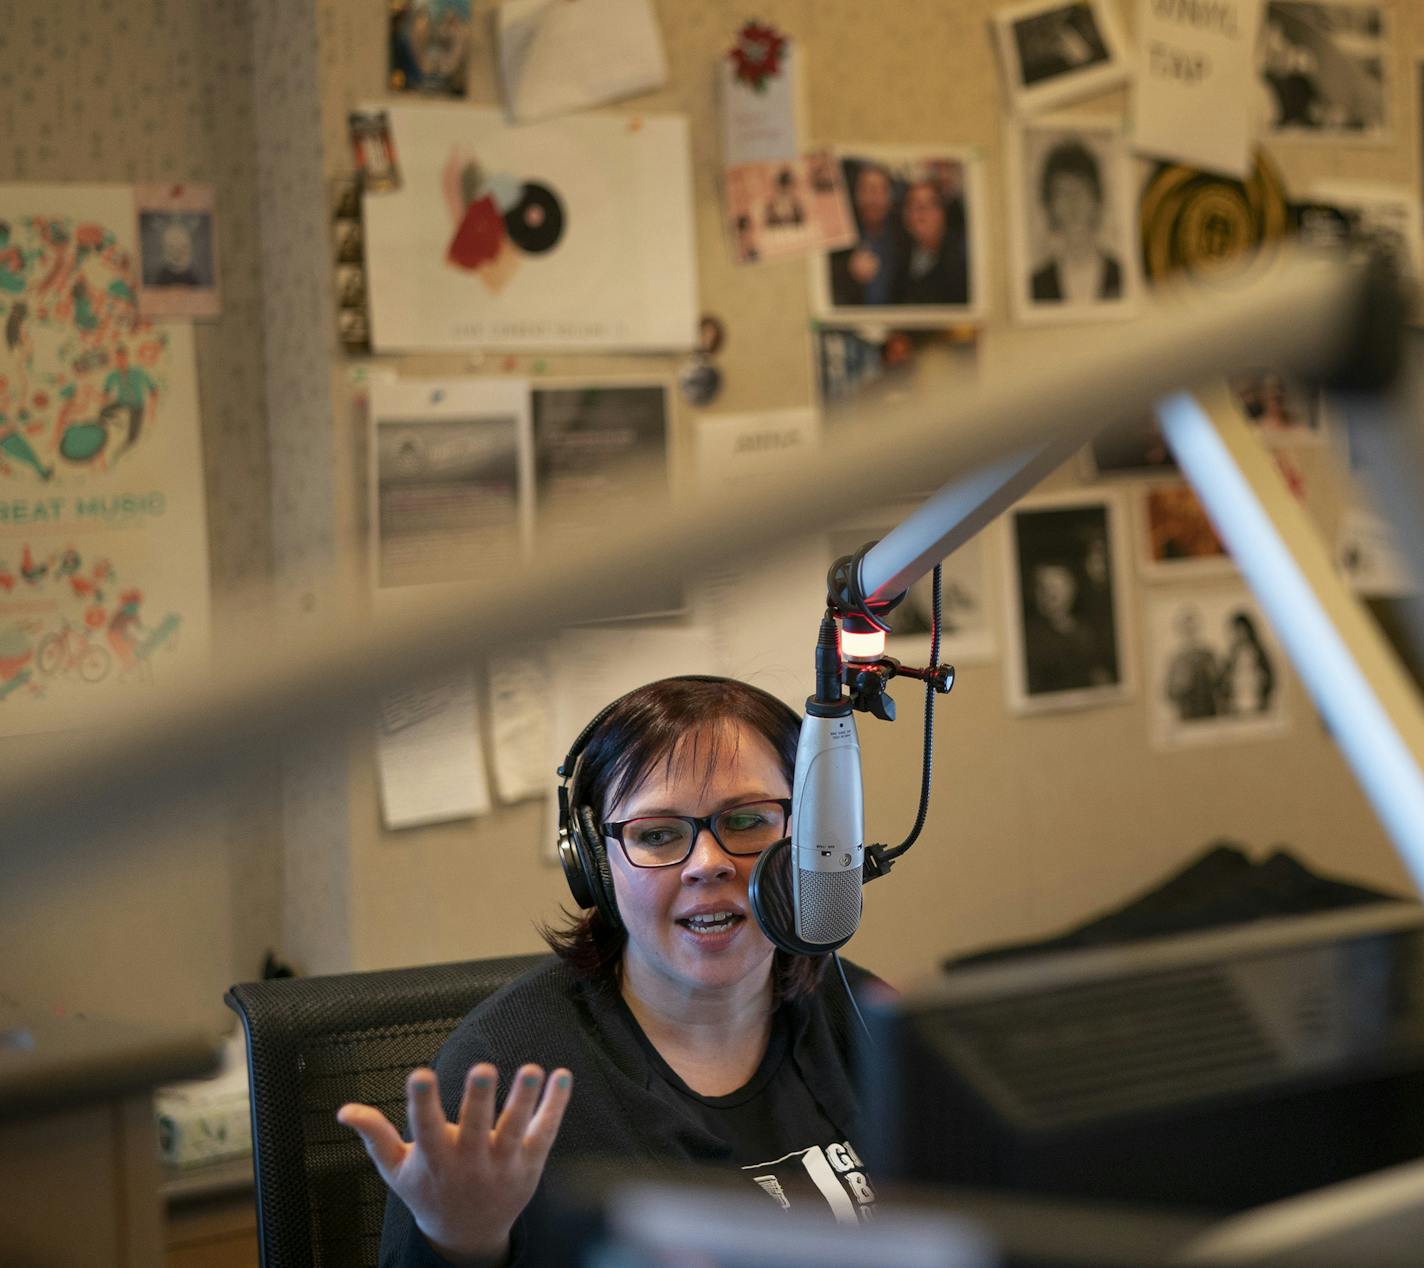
[[531, 1080], [562, 1082], [482, 1080]]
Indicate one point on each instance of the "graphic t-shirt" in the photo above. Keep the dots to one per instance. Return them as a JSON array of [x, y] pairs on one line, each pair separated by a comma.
[[778, 1135]]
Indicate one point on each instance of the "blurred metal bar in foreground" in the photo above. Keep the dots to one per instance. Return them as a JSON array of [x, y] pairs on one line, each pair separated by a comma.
[[1305, 314], [1373, 711]]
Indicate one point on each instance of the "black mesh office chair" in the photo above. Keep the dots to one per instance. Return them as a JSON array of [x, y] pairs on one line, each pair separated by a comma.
[[312, 1045]]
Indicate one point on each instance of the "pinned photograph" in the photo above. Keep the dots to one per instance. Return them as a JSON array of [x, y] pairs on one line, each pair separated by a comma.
[[1072, 232], [918, 254], [1066, 593], [1380, 218], [1282, 409], [1133, 449], [429, 46], [1053, 52], [1215, 668], [347, 241], [777, 210], [374, 150], [451, 478], [1325, 70], [1174, 536], [178, 254], [599, 447], [966, 623], [853, 361]]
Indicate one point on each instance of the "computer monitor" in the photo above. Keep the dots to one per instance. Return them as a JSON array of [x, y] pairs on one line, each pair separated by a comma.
[[1217, 1071]]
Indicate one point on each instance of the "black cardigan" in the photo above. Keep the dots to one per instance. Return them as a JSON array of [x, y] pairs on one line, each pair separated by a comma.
[[552, 1017]]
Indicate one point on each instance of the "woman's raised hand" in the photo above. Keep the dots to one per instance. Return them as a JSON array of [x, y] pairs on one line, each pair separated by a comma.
[[466, 1182]]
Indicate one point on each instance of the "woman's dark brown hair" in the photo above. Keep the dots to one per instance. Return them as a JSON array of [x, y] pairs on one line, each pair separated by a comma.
[[647, 727]]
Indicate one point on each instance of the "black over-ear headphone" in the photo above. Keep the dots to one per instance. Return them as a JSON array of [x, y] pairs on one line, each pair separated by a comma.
[[582, 852]]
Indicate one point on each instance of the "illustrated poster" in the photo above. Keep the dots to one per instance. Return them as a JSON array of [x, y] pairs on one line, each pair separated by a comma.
[[573, 233], [103, 540]]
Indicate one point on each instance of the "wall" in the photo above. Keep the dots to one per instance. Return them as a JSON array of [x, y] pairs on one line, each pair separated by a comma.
[[150, 90], [1036, 823]]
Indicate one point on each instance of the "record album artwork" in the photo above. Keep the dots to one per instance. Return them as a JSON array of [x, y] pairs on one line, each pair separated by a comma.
[[572, 233]]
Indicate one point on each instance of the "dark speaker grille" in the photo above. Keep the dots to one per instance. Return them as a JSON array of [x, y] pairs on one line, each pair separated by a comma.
[[1084, 1052], [830, 907]]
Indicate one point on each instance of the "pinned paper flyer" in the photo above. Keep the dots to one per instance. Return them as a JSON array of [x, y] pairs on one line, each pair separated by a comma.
[[557, 55], [761, 101], [429, 759], [1196, 82]]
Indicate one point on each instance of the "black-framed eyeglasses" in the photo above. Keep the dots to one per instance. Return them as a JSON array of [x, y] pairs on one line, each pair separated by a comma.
[[667, 840]]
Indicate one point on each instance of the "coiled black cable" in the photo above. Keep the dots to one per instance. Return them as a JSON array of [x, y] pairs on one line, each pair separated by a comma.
[[927, 768]]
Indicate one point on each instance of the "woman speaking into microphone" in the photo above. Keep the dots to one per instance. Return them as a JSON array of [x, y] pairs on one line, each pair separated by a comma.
[[666, 1028]]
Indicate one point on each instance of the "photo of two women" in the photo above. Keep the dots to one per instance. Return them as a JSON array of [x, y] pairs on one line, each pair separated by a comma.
[[912, 236]]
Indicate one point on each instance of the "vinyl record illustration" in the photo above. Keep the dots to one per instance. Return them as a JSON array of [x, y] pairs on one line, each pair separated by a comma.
[[536, 222], [1204, 223]]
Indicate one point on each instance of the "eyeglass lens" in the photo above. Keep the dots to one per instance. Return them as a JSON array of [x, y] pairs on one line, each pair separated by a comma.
[[663, 839]]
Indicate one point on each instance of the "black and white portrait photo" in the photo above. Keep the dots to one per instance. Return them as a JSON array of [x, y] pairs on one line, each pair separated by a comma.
[[178, 268], [1068, 608], [1215, 665], [1383, 219], [917, 256], [1324, 70], [1055, 52], [1072, 231], [177, 248]]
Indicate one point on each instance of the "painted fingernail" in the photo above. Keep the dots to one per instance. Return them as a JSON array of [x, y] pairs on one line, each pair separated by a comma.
[[482, 1080], [562, 1082], [531, 1080]]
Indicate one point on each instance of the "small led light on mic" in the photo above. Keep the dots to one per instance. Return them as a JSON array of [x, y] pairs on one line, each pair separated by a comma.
[[862, 646]]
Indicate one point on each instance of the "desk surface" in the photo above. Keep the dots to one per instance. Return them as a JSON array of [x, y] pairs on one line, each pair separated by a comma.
[[52, 1062]]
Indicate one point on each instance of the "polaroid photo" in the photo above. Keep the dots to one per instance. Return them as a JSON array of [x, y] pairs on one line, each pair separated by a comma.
[[966, 617], [1215, 668], [428, 46], [1073, 224], [1175, 539], [1283, 410], [178, 251], [1052, 52], [1066, 591], [1325, 70], [1134, 449], [919, 255]]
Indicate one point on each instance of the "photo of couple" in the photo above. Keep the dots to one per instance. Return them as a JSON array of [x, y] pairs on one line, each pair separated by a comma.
[[914, 253], [1215, 668]]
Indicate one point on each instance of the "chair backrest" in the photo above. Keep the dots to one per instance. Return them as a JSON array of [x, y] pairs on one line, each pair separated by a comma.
[[312, 1045]]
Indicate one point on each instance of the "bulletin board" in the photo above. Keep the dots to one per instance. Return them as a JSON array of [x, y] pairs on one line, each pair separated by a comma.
[[1041, 816]]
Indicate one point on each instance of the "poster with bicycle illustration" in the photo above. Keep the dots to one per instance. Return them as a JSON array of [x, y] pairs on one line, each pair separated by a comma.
[[103, 543]]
